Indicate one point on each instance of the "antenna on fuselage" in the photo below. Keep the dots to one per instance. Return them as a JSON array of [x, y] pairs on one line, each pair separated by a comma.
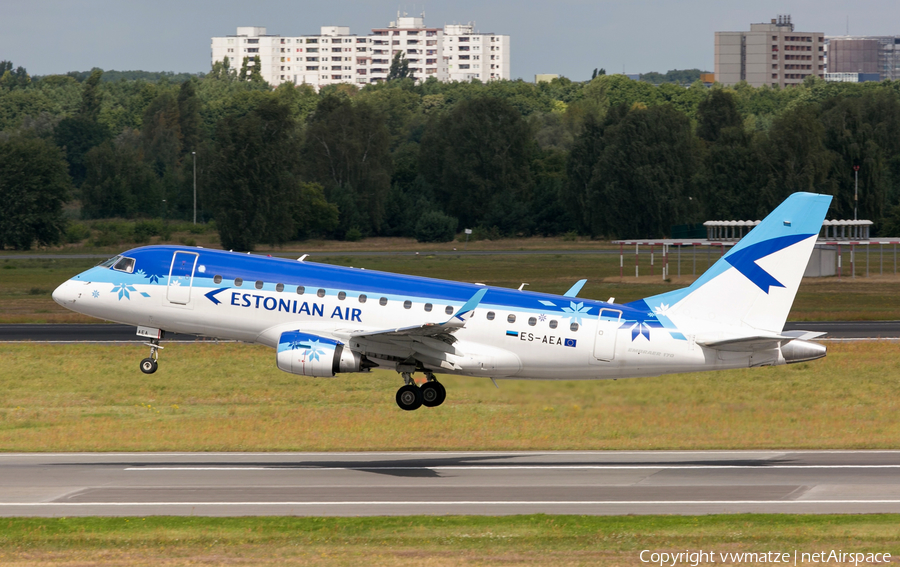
[[521, 287], [301, 258]]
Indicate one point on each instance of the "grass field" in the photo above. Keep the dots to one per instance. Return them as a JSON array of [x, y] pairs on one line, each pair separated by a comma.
[[231, 397], [433, 541], [26, 284]]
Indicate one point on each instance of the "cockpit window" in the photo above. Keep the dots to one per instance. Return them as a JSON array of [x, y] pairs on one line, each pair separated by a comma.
[[124, 265], [109, 263]]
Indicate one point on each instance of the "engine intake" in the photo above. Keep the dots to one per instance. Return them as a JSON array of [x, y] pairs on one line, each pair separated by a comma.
[[312, 355]]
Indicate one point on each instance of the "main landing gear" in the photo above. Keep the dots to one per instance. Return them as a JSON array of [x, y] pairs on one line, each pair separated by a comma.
[[150, 364], [430, 394]]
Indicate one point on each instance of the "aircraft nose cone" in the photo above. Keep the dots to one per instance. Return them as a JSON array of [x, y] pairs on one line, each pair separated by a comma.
[[64, 294]]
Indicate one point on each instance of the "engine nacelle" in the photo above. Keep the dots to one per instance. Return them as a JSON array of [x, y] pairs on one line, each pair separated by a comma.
[[312, 355]]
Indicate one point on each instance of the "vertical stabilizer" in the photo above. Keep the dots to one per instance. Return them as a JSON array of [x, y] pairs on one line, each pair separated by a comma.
[[755, 283]]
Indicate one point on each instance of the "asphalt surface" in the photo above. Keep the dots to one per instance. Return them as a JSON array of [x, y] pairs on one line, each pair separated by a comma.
[[351, 484], [124, 333]]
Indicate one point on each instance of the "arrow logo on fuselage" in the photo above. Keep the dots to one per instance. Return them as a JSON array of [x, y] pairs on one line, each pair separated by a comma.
[[212, 295], [744, 260]]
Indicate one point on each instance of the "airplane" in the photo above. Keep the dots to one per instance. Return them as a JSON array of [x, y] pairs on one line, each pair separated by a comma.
[[326, 320]]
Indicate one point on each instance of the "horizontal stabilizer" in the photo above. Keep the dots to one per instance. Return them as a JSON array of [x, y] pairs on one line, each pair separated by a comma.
[[746, 344]]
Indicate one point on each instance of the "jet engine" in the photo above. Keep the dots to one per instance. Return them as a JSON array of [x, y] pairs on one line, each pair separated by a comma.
[[312, 355]]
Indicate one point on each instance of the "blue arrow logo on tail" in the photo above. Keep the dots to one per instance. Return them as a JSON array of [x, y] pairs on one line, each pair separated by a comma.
[[744, 260], [212, 295]]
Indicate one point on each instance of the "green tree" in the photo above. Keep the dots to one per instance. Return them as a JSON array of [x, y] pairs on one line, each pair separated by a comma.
[[77, 134], [253, 184], [715, 113], [119, 183], [477, 157], [399, 67], [34, 186], [346, 150], [634, 171]]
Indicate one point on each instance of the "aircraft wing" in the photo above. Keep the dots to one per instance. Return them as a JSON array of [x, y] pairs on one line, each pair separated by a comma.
[[430, 343]]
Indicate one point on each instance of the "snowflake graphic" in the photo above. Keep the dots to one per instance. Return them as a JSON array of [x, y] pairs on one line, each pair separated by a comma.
[[661, 308], [313, 351], [95, 294], [296, 345], [122, 290], [153, 278], [576, 310], [542, 317], [174, 282]]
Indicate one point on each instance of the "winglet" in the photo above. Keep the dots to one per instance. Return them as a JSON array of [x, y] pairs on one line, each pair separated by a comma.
[[573, 291], [470, 305]]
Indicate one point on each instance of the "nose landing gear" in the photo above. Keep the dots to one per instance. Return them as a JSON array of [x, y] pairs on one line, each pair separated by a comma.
[[411, 397], [150, 364]]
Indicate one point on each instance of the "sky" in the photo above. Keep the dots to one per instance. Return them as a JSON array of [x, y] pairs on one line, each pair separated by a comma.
[[566, 37]]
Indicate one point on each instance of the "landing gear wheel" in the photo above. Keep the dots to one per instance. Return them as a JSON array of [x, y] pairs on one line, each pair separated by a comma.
[[433, 394], [149, 366], [409, 397]]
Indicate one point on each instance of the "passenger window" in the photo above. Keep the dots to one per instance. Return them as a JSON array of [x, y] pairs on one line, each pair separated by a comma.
[[124, 265], [259, 284], [217, 279], [383, 301], [321, 293], [428, 307], [301, 290], [448, 310], [532, 321], [238, 282], [407, 304], [362, 298], [342, 296], [490, 316], [553, 323], [573, 327], [511, 319], [279, 288]]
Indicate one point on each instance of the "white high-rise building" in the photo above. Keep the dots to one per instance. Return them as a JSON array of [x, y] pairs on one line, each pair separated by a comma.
[[454, 53], [472, 55]]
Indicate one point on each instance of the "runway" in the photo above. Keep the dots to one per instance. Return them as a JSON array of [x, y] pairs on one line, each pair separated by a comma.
[[483, 483], [126, 333]]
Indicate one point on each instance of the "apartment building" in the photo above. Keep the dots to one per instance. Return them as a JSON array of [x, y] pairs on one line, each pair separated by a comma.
[[772, 54], [864, 55], [336, 56], [473, 55]]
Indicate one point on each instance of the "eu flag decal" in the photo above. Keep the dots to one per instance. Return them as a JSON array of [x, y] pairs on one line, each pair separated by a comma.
[[512, 333], [569, 342]]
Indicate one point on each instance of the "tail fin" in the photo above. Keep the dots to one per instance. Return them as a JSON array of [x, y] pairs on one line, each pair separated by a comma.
[[755, 283]]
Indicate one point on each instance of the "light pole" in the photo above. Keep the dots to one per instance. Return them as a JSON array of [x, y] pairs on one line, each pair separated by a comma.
[[195, 186], [855, 190]]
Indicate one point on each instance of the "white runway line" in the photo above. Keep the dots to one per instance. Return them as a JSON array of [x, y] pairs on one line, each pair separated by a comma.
[[300, 467], [450, 503]]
